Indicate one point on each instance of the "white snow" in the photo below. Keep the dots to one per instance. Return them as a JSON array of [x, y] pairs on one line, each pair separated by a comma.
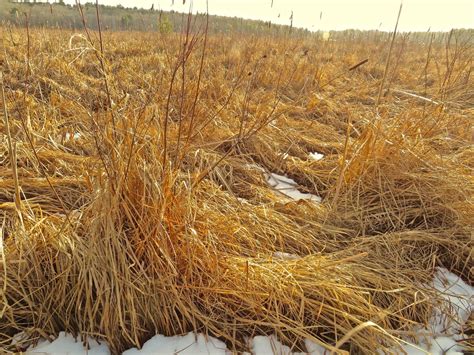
[[262, 345], [316, 156], [287, 187], [189, 344], [432, 346], [70, 136], [448, 319], [66, 344], [444, 329], [315, 349], [268, 345], [459, 298]]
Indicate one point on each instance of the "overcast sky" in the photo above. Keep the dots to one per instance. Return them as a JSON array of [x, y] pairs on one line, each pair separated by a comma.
[[417, 15]]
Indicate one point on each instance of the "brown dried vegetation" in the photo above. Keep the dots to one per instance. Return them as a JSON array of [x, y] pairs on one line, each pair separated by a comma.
[[140, 210]]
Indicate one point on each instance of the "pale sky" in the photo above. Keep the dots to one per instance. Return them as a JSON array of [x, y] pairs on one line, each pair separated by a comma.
[[417, 15]]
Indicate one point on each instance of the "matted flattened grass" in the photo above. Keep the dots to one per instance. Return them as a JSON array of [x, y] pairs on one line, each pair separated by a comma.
[[147, 209]]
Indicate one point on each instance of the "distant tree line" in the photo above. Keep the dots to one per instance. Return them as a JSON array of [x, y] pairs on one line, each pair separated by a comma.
[[459, 35], [61, 15], [119, 18]]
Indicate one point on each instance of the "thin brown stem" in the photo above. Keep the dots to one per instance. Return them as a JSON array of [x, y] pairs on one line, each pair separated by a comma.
[[387, 63]]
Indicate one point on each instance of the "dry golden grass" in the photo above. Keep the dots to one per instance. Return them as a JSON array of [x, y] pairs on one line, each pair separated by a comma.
[[154, 219]]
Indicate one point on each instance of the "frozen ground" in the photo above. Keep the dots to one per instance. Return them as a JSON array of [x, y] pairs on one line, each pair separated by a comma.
[[444, 332]]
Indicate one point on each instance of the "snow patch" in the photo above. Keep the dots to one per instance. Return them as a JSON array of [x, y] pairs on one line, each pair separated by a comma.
[[189, 344], [316, 156], [268, 345], [287, 187], [66, 344], [263, 345], [315, 349], [70, 136], [447, 320], [459, 298]]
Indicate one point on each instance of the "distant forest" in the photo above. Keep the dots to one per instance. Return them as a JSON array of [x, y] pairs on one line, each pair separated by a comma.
[[119, 18]]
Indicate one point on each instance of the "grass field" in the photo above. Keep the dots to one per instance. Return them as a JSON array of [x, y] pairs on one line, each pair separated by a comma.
[[137, 195]]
